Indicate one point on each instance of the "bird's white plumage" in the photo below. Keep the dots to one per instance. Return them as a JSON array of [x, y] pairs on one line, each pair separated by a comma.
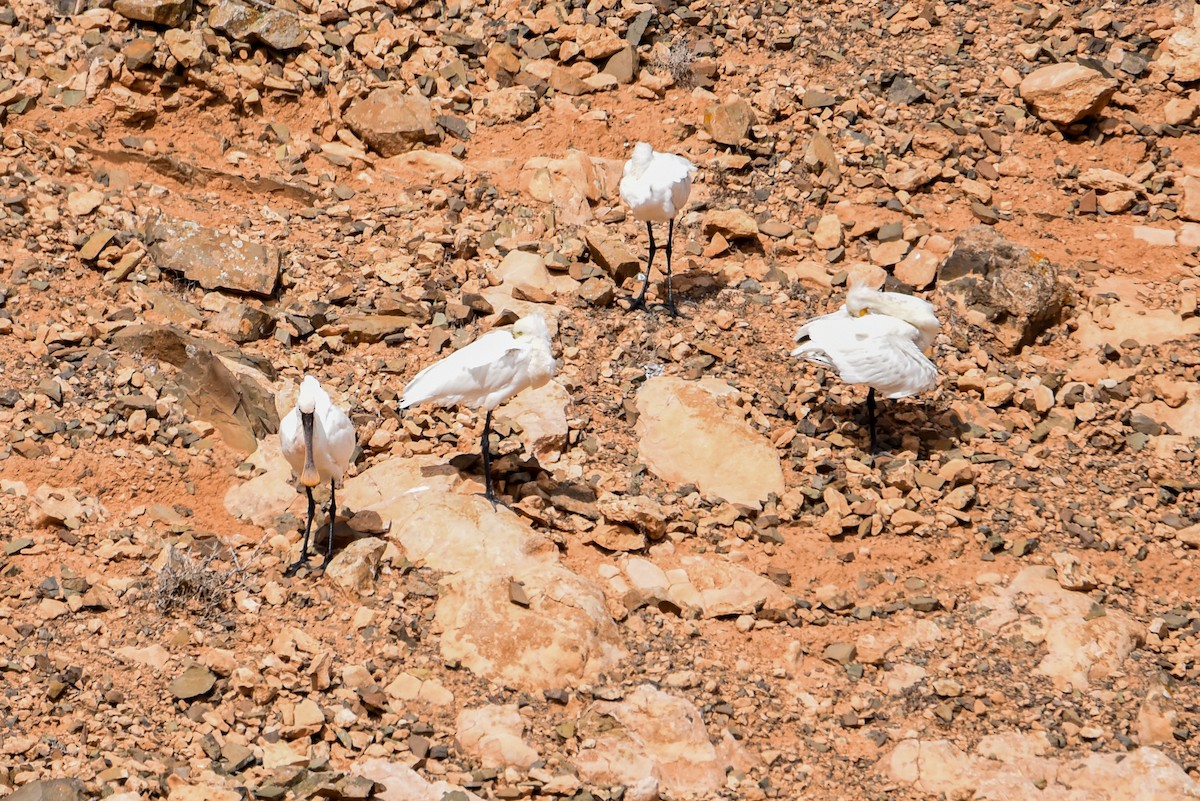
[[656, 185], [333, 433], [876, 338], [490, 370]]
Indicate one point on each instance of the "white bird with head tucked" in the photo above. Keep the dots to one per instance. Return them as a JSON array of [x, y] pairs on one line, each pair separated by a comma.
[[876, 338], [317, 439], [487, 373], [656, 187]]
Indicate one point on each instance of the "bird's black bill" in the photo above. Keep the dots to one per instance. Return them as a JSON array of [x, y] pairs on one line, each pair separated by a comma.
[[308, 476]]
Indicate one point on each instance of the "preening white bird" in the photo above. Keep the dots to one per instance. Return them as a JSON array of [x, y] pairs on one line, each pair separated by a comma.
[[317, 439], [876, 338], [656, 187], [487, 373]]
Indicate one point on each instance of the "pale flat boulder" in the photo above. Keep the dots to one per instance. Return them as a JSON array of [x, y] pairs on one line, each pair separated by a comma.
[[542, 415], [182, 790], [727, 589], [493, 734], [1129, 318], [1189, 207], [405, 784], [565, 635], [423, 167], [501, 299], [1067, 92], [462, 533], [270, 494], [695, 432], [1082, 647], [1010, 766], [671, 747], [618, 759], [1183, 52], [1185, 419], [394, 478], [570, 184]]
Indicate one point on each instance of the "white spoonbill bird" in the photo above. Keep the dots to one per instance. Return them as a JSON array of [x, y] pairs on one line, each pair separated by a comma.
[[317, 439], [487, 373], [656, 186], [876, 338]]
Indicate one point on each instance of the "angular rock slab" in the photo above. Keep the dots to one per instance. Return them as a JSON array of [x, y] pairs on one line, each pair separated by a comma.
[[1081, 650], [1013, 767], [170, 13], [392, 121], [660, 745], [50, 790], [1067, 92], [212, 259], [542, 415], [354, 567], [213, 384], [693, 432], [564, 636], [1012, 292], [710, 587]]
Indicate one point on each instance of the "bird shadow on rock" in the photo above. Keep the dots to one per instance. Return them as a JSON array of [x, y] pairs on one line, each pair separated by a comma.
[[935, 428], [509, 471], [692, 286]]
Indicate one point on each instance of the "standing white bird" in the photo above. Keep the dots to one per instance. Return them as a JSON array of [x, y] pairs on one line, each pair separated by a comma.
[[656, 186], [317, 439], [487, 373], [876, 338]]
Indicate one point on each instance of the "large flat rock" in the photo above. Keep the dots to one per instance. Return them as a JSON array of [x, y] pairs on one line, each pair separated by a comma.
[[213, 259], [694, 432], [564, 635]]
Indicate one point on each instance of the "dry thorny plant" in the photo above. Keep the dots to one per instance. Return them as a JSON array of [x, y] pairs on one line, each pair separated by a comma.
[[679, 62], [196, 585]]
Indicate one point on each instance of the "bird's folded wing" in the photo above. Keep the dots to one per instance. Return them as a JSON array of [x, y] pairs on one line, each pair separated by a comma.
[[894, 366], [340, 432], [453, 379], [503, 374], [669, 168]]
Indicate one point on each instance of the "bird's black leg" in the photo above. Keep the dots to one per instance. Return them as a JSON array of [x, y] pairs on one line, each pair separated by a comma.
[[332, 520], [489, 491], [640, 301], [312, 511], [674, 312], [871, 419]]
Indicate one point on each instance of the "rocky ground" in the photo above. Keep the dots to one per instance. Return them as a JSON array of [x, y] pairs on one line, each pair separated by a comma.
[[706, 585]]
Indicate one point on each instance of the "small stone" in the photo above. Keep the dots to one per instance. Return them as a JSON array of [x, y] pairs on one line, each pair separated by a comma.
[[194, 682], [392, 121], [169, 13], [828, 234], [733, 224], [840, 653], [1067, 92], [729, 123]]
